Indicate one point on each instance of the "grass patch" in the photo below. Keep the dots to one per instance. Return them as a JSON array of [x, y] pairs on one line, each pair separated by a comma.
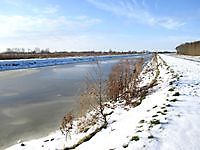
[[151, 126], [125, 145], [171, 89], [162, 113], [140, 126], [176, 94], [155, 122], [168, 105], [135, 138], [155, 116], [172, 71], [142, 97], [173, 100], [155, 106], [150, 137], [165, 110], [142, 121]]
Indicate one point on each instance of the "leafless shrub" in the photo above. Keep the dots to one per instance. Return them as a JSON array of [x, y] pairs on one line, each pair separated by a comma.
[[119, 79], [123, 80]]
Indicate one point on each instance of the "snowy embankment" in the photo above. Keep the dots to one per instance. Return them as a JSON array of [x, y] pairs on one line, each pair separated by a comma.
[[191, 58], [167, 118], [34, 63]]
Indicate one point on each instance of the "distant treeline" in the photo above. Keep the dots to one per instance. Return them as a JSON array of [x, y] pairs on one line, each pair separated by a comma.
[[47, 54], [192, 48]]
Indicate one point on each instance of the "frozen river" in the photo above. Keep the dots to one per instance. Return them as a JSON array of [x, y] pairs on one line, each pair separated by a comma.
[[33, 101]]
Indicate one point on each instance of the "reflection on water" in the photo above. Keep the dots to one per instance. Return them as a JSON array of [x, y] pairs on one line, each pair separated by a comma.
[[33, 101]]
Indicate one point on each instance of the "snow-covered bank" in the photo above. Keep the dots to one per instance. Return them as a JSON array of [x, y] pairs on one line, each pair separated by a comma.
[[34, 63], [183, 131], [168, 118]]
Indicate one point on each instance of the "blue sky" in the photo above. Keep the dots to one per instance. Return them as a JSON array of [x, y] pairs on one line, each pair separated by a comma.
[[98, 24]]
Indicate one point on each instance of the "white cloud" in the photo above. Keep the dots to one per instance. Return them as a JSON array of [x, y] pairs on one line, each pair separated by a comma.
[[51, 9], [16, 3], [12, 26], [46, 10], [41, 30], [58, 43], [136, 11]]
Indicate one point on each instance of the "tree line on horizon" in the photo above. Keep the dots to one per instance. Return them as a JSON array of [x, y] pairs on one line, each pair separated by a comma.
[[22, 53]]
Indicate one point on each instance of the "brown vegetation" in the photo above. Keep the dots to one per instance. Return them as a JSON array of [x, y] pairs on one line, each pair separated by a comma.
[[122, 84], [66, 124], [123, 80], [192, 48]]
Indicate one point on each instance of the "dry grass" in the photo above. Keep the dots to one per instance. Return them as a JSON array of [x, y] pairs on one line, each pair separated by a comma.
[[66, 124], [192, 48]]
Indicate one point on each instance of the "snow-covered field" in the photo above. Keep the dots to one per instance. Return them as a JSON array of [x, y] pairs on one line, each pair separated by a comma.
[[34, 63], [167, 119]]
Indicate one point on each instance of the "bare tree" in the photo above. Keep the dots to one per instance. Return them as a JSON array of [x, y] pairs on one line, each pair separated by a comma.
[[95, 94]]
